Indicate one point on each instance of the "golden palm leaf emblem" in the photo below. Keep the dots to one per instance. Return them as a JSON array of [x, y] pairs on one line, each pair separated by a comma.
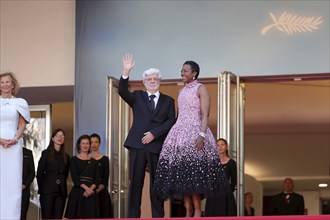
[[290, 24]]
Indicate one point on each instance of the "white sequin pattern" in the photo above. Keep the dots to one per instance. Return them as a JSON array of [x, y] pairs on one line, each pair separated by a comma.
[[181, 168]]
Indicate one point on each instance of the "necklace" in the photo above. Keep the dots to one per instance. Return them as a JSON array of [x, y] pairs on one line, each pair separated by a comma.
[[4, 97]]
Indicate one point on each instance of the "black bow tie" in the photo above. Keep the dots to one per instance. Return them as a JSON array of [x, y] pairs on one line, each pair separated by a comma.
[[287, 196]]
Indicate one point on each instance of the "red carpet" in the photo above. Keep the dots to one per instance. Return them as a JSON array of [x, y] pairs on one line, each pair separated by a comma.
[[297, 217]]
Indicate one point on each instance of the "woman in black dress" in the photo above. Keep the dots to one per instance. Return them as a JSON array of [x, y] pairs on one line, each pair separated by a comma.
[[223, 203], [248, 200], [52, 174], [102, 189], [83, 201]]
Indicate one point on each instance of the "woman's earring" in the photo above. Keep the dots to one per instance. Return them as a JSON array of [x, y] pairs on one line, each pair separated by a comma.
[[194, 77]]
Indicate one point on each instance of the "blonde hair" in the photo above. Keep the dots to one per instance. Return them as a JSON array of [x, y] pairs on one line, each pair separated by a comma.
[[14, 81]]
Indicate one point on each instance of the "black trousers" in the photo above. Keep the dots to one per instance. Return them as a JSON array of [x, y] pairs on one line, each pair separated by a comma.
[[52, 206], [139, 158], [25, 204]]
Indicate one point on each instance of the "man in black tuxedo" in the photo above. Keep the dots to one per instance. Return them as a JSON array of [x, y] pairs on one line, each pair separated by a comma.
[[288, 202], [28, 176], [153, 117]]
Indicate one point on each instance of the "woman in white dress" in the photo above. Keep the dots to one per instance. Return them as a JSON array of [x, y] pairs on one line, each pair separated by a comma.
[[14, 114]]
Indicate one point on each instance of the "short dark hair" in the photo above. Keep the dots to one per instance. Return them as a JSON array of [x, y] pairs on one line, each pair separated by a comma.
[[94, 135], [194, 67], [82, 137]]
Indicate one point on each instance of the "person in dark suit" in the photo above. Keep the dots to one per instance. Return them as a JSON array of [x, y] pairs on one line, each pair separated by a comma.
[[288, 202], [52, 174], [27, 178], [152, 120]]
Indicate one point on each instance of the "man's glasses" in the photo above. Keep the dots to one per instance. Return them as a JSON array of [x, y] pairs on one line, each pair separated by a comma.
[[152, 79]]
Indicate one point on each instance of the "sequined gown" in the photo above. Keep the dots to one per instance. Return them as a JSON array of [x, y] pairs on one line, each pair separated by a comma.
[[11, 162], [181, 168]]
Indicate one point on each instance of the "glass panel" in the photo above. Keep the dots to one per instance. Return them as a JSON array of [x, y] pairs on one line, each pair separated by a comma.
[[36, 138], [117, 130], [233, 116], [230, 124]]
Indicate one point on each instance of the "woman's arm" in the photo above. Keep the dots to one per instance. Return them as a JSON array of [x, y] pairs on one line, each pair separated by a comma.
[[233, 181], [74, 171], [67, 166], [205, 101], [42, 165], [105, 166], [21, 127]]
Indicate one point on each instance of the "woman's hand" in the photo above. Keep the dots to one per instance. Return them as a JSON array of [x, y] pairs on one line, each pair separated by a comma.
[[199, 143], [5, 143], [85, 194], [12, 142], [88, 192], [100, 188]]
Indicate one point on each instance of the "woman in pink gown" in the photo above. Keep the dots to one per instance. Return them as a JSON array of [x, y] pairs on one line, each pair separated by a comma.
[[189, 165]]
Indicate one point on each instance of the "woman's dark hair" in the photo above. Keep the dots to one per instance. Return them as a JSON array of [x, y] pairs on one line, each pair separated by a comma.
[[51, 148], [82, 137], [194, 67], [94, 135], [226, 143]]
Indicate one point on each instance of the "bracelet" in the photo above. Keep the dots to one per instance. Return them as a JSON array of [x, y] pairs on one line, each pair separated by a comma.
[[202, 134]]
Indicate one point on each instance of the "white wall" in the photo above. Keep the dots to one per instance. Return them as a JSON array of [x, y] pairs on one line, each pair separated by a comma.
[[312, 201], [325, 193], [37, 41]]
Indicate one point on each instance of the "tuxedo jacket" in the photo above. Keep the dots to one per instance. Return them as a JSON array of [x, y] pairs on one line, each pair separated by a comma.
[[28, 170], [295, 205], [158, 122]]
